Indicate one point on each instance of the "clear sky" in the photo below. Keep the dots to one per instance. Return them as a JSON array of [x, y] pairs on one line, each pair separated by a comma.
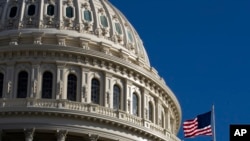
[[201, 49]]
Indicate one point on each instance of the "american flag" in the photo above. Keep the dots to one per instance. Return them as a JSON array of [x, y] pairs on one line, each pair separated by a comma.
[[201, 125]]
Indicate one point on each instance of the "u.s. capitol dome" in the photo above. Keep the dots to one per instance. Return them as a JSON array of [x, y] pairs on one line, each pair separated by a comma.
[[76, 70]]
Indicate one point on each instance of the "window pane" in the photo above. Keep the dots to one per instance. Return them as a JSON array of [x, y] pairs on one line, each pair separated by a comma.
[[13, 12], [87, 15], [135, 104], [1, 85], [95, 91], [31, 10], [47, 85], [104, 21], [130, 36], [22, 87], [118, 28], [116, 97], [50, 10], [69, 12], [71, 90], [150, 111]]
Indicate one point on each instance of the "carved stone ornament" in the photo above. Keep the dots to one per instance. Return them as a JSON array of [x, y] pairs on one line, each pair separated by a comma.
[[61, 135], [29, 134], [93, 137]]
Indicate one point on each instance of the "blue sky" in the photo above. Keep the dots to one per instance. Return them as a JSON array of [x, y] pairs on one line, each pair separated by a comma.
[[201, 49]]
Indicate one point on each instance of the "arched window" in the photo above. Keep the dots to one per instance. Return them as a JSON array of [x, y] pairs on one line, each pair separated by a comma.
[[116, 97], [50, 10], [13, 12], [135, 104], [22, 86], [47, 85], [31, 10], [95, 91], [71, 89], [104, 21], [1, 85], [150, 111], [118, 28], [69, 12], [87, 15]]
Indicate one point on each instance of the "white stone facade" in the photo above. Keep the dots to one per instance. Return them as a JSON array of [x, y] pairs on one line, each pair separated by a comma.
[[67, 74]]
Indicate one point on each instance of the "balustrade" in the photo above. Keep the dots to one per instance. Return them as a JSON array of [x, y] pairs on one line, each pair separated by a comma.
[[84, 107]]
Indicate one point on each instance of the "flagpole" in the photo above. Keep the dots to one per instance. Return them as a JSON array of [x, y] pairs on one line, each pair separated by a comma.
[[213, 118]]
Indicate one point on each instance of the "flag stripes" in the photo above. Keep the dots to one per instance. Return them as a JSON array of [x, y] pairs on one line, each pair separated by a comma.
[[195, 127]]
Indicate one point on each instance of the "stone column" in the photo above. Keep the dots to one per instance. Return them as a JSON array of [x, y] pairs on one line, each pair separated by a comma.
[[10, 73], [92, 137], [34, 80], [108, 102], [85, 97], [157, 111], [128, 94], [22, 13], [60, 92], [60, 14], [144, 104], [29, 133], [168, 119], [4, 11], [61, 135], [41, 13]]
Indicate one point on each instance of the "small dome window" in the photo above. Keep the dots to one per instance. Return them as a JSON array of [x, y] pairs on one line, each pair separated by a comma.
[[87, 15], [50, 10], [104, 21], [130, 36], [13, 12], [118, 28], [69, 12], [31, 10]]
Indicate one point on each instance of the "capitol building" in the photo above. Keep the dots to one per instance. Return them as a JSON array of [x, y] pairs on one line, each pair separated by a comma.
[[76, 70]]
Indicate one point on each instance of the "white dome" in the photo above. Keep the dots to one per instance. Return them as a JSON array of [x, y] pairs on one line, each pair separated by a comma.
[[73, 70], [77, 23]]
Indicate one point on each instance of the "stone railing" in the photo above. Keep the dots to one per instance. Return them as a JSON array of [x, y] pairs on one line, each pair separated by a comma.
[[84, 107]]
